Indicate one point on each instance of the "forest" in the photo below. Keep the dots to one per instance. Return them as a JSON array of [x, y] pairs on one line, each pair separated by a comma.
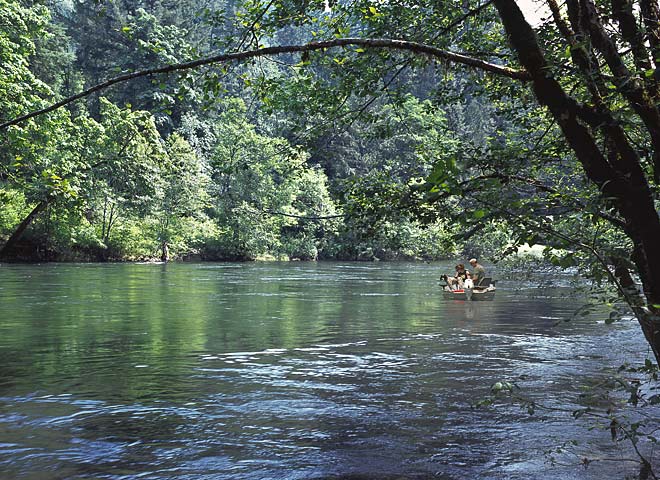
[[362, 130], [231, 163]]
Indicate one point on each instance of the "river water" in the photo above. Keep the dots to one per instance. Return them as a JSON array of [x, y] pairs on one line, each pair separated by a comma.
[[295, 371]]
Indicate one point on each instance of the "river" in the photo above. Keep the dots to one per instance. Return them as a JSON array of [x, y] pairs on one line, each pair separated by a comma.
[[295, 371]]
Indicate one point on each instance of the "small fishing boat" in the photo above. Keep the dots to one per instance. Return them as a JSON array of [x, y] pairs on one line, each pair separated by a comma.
[[484, 291], [473, 294]]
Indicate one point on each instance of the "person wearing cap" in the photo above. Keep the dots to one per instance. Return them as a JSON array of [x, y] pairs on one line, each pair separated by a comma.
[[478, 271]]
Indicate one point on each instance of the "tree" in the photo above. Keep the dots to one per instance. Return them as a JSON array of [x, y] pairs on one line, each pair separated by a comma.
[[111, 37], [375, 163], [31, 160], [598, 126], [265, 199], [261, 191], [84, 166], [124, 158], [182, 192]]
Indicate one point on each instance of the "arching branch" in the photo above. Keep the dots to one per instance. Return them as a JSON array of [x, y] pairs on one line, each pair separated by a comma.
[[299, 217], [414, 47]]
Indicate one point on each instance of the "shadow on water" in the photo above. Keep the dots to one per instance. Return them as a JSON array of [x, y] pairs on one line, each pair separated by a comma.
[[290, 371]]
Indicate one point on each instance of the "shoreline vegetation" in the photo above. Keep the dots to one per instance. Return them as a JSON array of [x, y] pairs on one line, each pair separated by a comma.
[[530, 257], [68, 257], [422, 251]]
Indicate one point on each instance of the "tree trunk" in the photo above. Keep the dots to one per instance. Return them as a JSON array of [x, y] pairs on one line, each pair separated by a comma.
[[619, 176], [165, 253], [10, 245]]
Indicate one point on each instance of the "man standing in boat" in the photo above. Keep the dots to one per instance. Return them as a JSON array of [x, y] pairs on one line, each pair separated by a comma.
[[478, 271]]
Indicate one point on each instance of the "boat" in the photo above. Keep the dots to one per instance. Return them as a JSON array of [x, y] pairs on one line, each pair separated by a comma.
[[480, 292], [487, 293]]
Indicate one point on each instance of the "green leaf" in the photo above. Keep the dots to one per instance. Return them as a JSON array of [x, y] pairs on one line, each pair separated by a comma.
[[567, 261]]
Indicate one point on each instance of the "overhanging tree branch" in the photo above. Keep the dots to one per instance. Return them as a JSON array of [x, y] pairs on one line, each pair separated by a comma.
[[375, 43], [267, 211]]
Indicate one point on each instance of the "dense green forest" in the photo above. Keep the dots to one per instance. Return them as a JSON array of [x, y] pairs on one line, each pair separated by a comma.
[[347, 130], [217, 165]]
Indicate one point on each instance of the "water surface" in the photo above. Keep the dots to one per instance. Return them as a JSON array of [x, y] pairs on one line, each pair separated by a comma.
[[292, 371]]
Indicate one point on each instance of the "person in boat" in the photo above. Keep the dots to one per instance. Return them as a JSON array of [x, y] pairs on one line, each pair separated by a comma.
[[478, 271], [456, 282]]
